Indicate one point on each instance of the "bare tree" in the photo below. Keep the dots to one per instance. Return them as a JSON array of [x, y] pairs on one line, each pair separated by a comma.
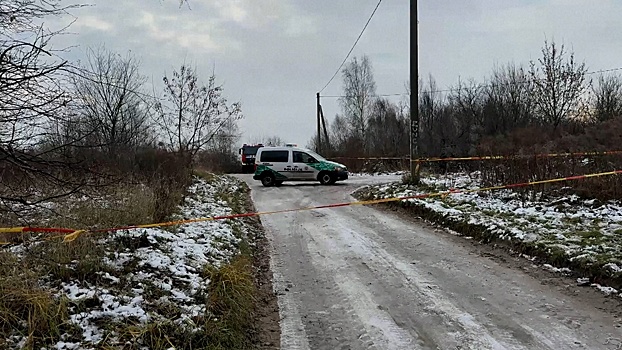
[[359, 90], [111, 103], [559, 85], [438, 121], [429, 102], [340, 133], [30, 88], [388, 130], [226, 138], [467, 102], [32, 94], [191, 115], [274, 141], [508, 102], [608, 97]]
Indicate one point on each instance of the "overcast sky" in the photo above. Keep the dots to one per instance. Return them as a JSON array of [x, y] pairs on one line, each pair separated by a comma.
[[274, 55]]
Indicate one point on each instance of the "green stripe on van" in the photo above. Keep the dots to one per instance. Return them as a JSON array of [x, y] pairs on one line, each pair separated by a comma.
[[261, 168]]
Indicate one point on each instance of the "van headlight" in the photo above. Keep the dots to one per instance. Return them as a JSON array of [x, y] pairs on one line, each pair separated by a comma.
[[338, 168]]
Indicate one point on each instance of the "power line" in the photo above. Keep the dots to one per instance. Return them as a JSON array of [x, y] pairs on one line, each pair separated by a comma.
[[604, 71], [356, 42], [478, 86], [383, 95], [523, 82]]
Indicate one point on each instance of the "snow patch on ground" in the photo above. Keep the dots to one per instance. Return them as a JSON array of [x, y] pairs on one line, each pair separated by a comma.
[[563, 270], [605, 290]]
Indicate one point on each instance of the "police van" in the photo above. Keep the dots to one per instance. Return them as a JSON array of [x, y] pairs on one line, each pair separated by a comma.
[[273, 165]]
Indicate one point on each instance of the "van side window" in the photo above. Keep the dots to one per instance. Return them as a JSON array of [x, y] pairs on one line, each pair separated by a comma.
[[275, 156], [301, 157]]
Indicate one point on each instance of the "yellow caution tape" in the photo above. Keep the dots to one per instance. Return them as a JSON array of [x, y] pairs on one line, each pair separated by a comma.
[[74, 234]]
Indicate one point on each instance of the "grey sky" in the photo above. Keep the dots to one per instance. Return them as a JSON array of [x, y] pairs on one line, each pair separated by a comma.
[[274, 55]]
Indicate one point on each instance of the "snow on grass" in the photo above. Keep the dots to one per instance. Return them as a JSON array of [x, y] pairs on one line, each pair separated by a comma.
[[563, 270], [156, 274], [605, 290], [379, 173], [587, 231]]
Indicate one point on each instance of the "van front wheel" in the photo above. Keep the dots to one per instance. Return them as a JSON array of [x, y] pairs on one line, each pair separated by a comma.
[[326, 178], [268, 180]]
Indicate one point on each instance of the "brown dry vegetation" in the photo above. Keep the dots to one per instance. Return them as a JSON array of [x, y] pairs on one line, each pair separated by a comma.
[[598, 137]]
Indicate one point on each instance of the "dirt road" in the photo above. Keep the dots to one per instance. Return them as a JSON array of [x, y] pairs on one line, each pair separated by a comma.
[[362, 278]]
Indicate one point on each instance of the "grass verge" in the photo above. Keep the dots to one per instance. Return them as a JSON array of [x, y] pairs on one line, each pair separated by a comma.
[[240, 299], [231, 306]]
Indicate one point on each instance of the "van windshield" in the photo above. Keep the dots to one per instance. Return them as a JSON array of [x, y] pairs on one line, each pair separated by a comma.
[[315, 155], [250, 150]]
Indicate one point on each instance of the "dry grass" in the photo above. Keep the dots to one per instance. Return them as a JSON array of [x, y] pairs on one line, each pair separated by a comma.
[[29, 308], [80, 260], [230, 303], [26, 309], [606, 136], [119, 206]]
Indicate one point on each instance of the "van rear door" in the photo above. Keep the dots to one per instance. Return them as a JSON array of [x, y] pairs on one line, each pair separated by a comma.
[[277, 161]]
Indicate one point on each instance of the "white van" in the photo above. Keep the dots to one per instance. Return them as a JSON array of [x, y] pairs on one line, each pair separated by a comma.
[[273, 165]]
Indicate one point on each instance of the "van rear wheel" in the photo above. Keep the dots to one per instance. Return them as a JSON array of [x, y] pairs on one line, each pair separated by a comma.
[[268, 180], [326, 178]]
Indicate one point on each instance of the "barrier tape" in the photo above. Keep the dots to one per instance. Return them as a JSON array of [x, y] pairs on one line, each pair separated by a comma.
[[373, 158], [542, 155], [26, 229], [71, 234], [448, 159]]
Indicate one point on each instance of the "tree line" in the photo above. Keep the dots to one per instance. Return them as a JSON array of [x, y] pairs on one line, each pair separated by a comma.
[[555, 94]]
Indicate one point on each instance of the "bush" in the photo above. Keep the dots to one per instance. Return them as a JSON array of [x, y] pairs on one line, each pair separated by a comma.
[[219, 162]]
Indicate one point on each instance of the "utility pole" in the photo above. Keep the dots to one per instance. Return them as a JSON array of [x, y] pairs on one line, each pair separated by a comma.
[[326, 139], [319, 135], [414, 98]]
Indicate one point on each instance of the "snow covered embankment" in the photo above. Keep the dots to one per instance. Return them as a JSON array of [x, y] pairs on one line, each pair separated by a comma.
[[583, 235], [155, 279]]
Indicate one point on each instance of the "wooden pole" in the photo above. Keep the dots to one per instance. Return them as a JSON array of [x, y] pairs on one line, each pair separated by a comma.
[[414, 97], [319, 135], [326, 140]]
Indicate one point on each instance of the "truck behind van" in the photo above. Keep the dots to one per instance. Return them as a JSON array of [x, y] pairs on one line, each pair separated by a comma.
[[247, 157]]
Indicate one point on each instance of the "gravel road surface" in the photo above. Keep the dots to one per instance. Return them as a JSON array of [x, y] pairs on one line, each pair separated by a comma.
[[363, 278]]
